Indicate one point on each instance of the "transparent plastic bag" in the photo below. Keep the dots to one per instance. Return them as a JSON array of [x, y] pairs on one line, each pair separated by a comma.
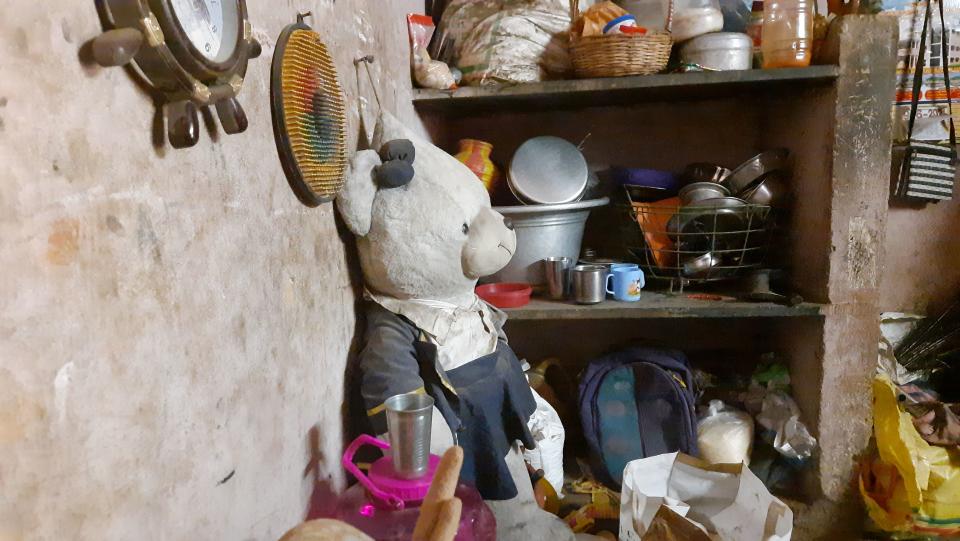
[[427, 73], [725, 434], [780, 414], [505, 41]]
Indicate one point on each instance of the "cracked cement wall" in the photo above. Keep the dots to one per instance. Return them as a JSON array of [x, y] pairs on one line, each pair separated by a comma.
[[174, 325]]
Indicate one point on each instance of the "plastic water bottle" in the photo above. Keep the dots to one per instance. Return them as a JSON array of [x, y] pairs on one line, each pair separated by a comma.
[[359, 509], [787, 33], [384, 504]]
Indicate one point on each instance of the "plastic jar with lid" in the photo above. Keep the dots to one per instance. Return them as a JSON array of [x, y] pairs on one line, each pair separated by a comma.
[[692, 18], [787, 40], [650, 14]]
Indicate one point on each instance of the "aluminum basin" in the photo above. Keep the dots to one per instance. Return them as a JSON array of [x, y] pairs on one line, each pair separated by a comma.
[[543, 231]]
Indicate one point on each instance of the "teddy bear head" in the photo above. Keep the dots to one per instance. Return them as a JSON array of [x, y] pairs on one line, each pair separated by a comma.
[[423, 220]]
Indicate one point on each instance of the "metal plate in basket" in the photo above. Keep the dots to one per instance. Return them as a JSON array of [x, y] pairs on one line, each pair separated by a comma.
[[702, 243]]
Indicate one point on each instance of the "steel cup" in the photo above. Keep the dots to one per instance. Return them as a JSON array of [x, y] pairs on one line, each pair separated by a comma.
[[589, 283], [408, 424], [557, 272]]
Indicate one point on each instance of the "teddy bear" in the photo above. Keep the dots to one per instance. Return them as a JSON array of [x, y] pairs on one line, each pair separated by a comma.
[[425, 234]]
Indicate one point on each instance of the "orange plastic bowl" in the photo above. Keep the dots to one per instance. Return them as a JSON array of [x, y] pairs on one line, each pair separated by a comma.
[[505, 295]]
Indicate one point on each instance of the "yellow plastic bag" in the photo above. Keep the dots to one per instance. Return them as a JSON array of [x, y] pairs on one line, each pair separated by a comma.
[[912, 486]]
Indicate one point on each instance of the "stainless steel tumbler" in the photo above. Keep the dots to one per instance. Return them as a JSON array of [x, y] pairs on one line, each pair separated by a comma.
[[589, 283], [408, 424], [557, 272]]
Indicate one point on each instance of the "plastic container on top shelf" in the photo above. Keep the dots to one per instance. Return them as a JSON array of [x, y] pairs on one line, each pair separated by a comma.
[[787, 33], [650, 14], [692, 18]]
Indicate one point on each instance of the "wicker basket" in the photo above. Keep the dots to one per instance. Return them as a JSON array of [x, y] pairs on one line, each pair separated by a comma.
[[619, 55]]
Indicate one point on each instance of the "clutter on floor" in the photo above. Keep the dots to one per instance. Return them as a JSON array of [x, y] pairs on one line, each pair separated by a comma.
[[724, 501], [911, 485]]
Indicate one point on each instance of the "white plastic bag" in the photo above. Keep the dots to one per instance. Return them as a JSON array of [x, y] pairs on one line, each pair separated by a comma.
[[725, 435], [726, 500], [506, 41], [548, 432], [781, 414]]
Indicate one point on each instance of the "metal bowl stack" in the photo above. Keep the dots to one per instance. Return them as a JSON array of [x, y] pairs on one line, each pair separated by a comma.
[[721, 225]]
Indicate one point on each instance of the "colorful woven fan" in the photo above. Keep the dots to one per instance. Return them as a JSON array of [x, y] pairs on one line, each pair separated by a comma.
[[308, 119]]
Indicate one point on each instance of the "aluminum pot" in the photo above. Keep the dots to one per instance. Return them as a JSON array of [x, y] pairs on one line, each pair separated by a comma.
[[543, 231], [722, 51]]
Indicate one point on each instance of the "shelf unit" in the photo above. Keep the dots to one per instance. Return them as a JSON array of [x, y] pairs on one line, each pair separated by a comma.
[[552, 95], [654, 305], [836, 121]]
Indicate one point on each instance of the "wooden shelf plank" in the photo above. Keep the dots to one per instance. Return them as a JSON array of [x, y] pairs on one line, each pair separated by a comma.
[[576, 93], [660, 306]]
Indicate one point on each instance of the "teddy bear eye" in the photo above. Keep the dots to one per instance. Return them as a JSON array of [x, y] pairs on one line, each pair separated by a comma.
[[466, 229]]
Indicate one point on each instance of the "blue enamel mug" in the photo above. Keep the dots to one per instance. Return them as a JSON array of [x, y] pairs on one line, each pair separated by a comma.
[[625, 283], [631, 266]]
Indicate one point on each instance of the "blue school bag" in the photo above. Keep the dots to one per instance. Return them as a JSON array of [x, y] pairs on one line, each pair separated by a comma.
[[637, 403]]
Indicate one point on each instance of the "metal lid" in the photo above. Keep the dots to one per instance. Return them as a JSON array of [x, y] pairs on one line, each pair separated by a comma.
[[547, 170]]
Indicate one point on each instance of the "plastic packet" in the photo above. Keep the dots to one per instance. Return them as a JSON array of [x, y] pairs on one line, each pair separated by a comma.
[[772, 376], [780, 415], [594, 20], [736, 15], [427, 73], [505, 41], [725, 434], [548, 432]]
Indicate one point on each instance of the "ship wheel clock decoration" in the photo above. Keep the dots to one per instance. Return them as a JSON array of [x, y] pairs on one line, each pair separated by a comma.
[[192, 52]]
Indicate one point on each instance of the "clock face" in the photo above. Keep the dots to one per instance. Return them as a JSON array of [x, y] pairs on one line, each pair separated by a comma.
[[210, 25]]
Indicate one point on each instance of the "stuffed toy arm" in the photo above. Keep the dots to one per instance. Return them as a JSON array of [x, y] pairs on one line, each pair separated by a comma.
[[388, 364]]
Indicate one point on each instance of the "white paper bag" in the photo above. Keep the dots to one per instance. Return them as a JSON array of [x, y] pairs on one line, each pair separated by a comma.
[[727, 500]]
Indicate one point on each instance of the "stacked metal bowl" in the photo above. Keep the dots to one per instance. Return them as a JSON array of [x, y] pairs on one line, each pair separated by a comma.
[[720, 223]]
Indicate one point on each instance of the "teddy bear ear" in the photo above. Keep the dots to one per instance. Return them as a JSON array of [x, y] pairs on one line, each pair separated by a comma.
[[355, 200]]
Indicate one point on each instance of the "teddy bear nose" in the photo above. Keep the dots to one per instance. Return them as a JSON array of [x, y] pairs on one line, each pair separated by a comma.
[[508, 223]]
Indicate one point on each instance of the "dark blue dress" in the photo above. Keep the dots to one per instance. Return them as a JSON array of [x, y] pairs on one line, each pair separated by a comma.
[[486, 402]]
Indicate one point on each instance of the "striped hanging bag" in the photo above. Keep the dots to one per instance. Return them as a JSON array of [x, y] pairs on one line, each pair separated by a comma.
[[928, 168]]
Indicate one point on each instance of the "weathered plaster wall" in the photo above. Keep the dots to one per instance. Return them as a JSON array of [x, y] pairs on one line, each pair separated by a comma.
[[922, 265], [172, 322]]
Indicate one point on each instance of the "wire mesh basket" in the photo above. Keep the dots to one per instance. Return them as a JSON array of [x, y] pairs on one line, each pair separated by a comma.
[[711, 240]]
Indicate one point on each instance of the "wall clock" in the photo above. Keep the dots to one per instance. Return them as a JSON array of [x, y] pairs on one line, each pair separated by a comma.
[[192, 52]]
